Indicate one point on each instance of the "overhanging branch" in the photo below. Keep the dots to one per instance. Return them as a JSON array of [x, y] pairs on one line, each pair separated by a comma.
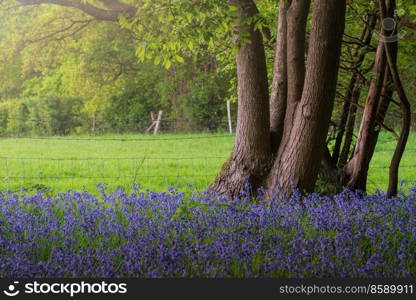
[[116, 8], [64, 32]]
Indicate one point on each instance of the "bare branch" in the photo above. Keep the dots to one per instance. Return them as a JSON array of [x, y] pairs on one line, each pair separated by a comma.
[[53, 35]]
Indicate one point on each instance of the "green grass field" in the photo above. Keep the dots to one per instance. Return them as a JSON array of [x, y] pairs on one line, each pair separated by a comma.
[[156, 162]]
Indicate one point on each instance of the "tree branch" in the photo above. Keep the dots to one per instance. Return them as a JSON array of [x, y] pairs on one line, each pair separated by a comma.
[[83, 24], [116, 8], [407, 23]]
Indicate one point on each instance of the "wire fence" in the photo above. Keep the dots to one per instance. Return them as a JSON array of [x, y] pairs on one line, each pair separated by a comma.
[[62, 162], [120, 139], [27, 127], [152, 172], [75, 162]]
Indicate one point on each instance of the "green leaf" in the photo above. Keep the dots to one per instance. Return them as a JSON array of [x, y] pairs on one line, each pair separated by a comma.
[[190, 45], [168, 64], [179, 59], [157, 60], [211, 43]]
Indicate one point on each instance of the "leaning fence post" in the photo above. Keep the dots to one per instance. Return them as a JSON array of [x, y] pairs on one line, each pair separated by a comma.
[[153, 122], [157, 122]]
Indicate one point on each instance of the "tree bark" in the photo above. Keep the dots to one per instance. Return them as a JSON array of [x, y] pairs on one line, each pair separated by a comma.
[[387, 10], [355, 80], [357, 168], [350, 126], [299, 158], [250, 159], [383, 106], [344, 118], [297, 15], [278, 98]]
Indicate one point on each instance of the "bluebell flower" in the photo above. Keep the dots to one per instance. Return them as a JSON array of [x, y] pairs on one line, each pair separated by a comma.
[[158, 235]]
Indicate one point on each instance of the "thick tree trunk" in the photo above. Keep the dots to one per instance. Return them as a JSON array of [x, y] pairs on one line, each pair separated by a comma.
[[250, 159], [299, 157], [357, 168], [278, 98], [330, 174], [297, 16]]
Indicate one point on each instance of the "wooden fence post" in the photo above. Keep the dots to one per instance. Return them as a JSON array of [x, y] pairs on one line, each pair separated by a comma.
[[158, 120], [155, 122], [230, 123]]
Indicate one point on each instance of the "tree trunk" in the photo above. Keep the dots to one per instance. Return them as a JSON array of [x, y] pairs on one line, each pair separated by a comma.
[[297, 15], [350, 126], [383, 106], [365, 39], [357, 168], [387, 10], [278, 98], [250, 159], [300, 155], [344, 118]]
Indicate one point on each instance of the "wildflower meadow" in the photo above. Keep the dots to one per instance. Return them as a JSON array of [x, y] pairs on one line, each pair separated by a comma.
[[146, 234]]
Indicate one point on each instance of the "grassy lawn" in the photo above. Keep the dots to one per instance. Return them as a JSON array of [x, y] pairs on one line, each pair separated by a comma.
[[77, 163], [379, 168]]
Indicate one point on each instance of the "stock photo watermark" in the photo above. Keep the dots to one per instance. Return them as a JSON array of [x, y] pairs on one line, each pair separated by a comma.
[[390, 25], [62, 288]]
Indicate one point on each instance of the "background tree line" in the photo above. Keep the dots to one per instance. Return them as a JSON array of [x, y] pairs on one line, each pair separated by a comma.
[[52, 53], [59, 65]]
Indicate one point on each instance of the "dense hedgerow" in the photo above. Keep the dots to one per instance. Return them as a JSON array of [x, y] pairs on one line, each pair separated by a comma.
[[148, 234]]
